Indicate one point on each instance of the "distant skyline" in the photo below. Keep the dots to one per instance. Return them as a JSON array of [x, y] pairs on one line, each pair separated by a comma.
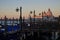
[[8, 7]]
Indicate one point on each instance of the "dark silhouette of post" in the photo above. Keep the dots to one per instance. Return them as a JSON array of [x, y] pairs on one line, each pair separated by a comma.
[[20, 18], [13, 20], [0, 23], [1, 20], [30, 21], [23, 23], [12, 23], [23, 19], [59, 19], [30, 18], [5, 24], [42, 16], [10, 20], [34, 18], [39, 19]]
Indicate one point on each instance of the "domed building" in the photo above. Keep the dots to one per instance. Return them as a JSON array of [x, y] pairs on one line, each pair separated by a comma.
[[48, 16], [45, 16], [49, 13]]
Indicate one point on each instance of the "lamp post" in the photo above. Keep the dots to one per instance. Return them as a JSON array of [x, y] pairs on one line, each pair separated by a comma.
[[20, 18], [30, 18], [33, 15]]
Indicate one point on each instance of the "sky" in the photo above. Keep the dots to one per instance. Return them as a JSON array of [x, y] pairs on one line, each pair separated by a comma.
[[8, 7]]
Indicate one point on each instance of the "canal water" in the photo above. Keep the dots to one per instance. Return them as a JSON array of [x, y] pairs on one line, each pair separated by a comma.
[[53, 36]]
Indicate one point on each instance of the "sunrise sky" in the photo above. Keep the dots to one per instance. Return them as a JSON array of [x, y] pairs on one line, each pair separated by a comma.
[[8, 7]]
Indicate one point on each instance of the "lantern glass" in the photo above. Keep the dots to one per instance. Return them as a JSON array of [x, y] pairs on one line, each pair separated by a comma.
[[31, 12], [17, 10]]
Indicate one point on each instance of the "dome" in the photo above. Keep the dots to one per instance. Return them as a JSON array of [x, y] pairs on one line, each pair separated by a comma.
[[49, 13]]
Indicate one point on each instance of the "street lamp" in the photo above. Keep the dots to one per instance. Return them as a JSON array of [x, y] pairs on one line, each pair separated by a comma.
[[33, 15], [20, 18], [30, 18]]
